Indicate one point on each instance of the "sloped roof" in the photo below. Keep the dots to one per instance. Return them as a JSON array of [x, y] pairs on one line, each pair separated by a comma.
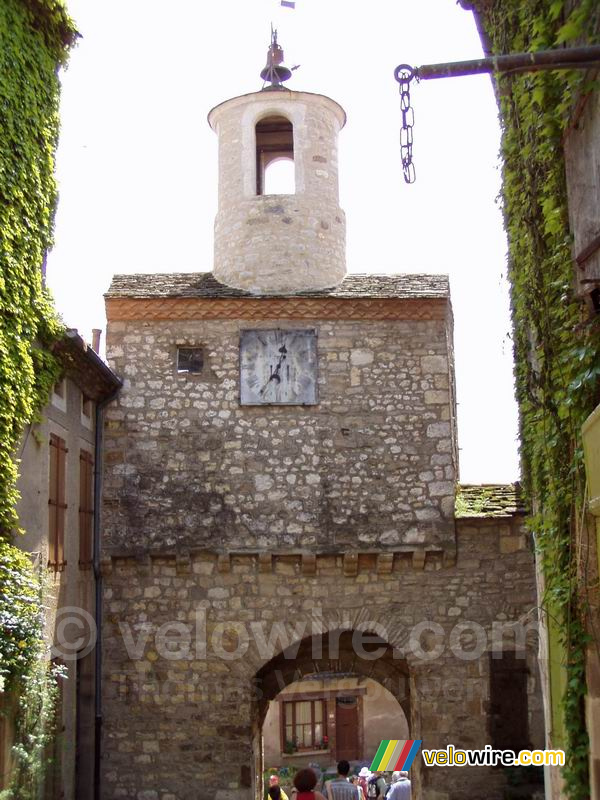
[[204, 284], [489, 500], [85, 367]]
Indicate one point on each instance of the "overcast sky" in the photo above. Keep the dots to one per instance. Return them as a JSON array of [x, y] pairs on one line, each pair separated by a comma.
[[137, 163]]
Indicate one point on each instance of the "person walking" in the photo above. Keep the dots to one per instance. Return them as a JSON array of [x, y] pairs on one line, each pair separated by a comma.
[[304, 783], [363, 779], [275, 792], [400, 788], [340, 787]]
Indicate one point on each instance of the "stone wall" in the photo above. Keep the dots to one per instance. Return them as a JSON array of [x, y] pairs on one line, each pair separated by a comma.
[[183, 646], [371, 466]]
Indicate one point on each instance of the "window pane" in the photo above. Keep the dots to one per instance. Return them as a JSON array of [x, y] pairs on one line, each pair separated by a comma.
[[303, 713], [318, 711]]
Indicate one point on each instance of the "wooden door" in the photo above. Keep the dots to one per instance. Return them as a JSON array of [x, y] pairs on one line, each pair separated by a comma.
[[346, 728]]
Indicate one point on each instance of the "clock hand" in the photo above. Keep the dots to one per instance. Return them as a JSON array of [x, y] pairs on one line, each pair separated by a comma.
[[275, 376]]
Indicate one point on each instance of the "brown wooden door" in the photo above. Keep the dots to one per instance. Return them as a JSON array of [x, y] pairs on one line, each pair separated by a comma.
[[346, 728]]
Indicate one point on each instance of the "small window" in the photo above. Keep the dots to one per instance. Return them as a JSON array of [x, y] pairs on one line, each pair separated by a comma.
[[86, 406], [304, 725], [59, 395], [275, 156], [190, 360]]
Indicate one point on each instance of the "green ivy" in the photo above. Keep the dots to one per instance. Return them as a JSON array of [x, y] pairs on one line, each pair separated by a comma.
[[35, 36], [556, 344]]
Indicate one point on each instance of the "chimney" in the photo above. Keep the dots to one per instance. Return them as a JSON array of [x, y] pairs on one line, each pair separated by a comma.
[[96, 334]]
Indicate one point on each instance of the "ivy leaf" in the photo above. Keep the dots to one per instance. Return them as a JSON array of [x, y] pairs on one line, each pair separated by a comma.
[[569, 31]]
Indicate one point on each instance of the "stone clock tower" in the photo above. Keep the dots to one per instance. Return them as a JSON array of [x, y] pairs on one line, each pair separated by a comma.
[[282, 453]]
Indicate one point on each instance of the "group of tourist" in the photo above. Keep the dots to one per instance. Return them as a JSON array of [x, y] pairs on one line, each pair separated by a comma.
[[364, 786]]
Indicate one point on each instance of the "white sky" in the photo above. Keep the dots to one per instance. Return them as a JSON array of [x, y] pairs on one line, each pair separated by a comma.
[[137, 163]]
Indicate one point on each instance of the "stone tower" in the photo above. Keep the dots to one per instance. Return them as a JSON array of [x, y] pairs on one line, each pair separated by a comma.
[[282, 459], [267, 243]]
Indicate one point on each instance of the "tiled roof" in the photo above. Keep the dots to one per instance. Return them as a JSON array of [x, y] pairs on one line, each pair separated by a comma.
[[489, 500], [204, 284]]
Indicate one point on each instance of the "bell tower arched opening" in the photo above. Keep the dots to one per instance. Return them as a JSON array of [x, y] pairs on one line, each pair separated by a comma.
[[275, 156]]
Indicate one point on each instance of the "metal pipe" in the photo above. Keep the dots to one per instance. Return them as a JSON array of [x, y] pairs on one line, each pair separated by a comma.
[[98, 435], [560, 58]]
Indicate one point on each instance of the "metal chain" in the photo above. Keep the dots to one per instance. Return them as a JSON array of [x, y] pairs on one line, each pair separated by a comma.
[[404, 74]]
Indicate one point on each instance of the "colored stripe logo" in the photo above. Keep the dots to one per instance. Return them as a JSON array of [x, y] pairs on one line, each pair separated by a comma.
[[395, 754]]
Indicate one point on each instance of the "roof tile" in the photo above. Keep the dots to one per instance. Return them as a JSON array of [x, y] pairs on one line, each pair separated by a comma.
[[204, 284], [489, 500]]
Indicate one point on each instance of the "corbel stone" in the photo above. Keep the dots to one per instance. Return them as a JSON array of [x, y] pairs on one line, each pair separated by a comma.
[[183, 562], [449, 558], [309, 564], [106, 565], [385, 562], [223, 562], [350, 564], [265, 562], [144, 565]]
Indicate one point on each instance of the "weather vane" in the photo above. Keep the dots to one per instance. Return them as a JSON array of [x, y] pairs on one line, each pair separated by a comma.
[[275, 72]]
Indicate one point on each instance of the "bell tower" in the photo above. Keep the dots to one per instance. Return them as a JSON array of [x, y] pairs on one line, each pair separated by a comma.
[[273, 243]]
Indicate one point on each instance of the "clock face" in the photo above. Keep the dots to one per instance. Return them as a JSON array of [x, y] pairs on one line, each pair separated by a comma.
[[278, 367]]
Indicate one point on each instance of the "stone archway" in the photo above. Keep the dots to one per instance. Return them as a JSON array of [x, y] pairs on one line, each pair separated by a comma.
[[361, 653]]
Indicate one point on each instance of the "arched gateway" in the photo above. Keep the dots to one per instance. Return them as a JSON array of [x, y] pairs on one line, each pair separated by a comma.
[[359, 653], [281, 462]]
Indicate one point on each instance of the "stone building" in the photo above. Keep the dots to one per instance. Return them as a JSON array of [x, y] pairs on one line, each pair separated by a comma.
[[279, 496], [59, 458]]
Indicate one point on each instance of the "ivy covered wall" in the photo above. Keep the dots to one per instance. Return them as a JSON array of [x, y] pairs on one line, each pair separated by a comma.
[[35, 36], [556, 340]]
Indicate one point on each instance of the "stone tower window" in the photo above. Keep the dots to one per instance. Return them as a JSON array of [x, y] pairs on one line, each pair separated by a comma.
[[275, 156], [190, 360]]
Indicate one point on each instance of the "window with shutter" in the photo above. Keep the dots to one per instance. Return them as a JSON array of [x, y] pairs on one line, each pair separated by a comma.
[[86, 508], [56, 503]]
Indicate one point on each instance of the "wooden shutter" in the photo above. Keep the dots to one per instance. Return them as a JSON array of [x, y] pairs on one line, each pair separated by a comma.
[[86, 508], [56, 502]]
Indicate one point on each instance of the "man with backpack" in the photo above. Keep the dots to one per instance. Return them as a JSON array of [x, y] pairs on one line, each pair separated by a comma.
[[376, 787]]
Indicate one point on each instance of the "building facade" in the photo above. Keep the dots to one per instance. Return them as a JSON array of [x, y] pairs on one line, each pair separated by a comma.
[[280, 498], [59, 460]]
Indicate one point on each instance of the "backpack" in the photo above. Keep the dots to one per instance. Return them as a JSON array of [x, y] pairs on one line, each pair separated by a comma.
[[373, 789]]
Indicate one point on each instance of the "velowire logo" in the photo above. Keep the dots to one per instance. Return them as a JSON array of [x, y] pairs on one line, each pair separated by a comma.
[[395, 754]]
